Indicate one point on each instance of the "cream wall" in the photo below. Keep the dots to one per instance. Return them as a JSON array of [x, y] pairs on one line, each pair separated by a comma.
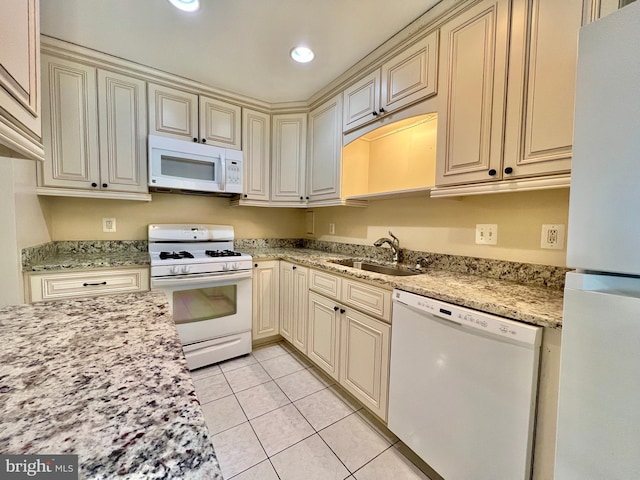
[[81, 219], [447, 225], [22, 220]]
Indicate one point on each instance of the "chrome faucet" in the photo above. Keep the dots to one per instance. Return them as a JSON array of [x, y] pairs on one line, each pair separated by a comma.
[[394, 244]]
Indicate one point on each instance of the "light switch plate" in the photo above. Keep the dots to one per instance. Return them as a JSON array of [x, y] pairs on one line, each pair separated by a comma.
[[487, 234]]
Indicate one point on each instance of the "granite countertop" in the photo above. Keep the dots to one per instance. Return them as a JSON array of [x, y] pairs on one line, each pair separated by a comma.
[[104, 378], [532, 304], [89, 260]]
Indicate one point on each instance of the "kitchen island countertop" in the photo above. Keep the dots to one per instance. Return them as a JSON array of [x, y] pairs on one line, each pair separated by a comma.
[[532, 304], [104, 378]]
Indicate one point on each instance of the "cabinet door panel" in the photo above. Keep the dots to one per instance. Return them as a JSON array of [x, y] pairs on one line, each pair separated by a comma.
[[20, 63], [266, 303], [220, 123], [411, 75], [324, 334], [300, 308], [256, 142], [360, 101], [364, 360], [173, 113], [542, 73], [286, 301], [70, 127], [471, 100], [122, 110], [289, 154], [325, 151]]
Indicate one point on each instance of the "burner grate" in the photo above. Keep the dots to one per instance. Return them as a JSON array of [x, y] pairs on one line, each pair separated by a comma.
[[222, 253], [175, 255]]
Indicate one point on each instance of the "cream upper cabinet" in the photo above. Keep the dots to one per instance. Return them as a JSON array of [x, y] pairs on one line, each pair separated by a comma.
[[94, 132], [473, 53], [324, 333], [325, 151], [266, 299], [187, 116], [256, 141], [293, 304], [539, 121], [408, 77], [20, 122], [289, 148]]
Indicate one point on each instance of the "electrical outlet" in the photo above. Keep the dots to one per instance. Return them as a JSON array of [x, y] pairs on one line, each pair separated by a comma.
[[332, 229], [109, 225], [552, 236], [487, 233]]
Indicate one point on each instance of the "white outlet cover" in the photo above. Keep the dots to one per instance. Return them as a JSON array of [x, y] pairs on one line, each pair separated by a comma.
[[552, 236], [108, 225], [332, 229], [487, 234]]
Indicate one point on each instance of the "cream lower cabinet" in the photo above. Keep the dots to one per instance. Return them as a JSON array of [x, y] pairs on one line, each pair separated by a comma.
[[293, 304], [20, 122], [266, 299], [347, 344], [64, 285], [94, 132]]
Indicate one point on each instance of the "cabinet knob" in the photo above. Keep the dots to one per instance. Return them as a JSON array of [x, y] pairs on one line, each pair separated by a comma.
[[335, 309], [342, 310], [195, 139], [294, 267], [508, 170], [492, 172], [104, 185], [94, 184], [306, 198], [382, 110], [301, 198], [255, 265], [204, 140], [374, 113], [245, 195]]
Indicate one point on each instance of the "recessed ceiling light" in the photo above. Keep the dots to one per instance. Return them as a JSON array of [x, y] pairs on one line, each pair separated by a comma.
[[302, 54], [186, 5]]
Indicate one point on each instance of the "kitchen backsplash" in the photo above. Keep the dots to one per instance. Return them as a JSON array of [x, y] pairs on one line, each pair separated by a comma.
[[526, 273]]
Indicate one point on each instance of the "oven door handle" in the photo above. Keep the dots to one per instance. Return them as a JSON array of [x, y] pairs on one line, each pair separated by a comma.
[[197, 279]]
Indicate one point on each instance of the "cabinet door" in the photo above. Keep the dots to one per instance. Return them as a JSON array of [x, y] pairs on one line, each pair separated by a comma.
[[364, 360], [219, 123], [286, 301], [173, 113], [473, 54], [266, 305], [325, 151], [20, 77], [324, 333], [539, 127], [70, 124], [300, 307], [361, 101], [289, 152], [122, 118], [256, 142], [411, 75]]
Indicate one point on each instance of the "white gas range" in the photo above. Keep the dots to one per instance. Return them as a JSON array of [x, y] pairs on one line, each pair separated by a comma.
[[208, 285]]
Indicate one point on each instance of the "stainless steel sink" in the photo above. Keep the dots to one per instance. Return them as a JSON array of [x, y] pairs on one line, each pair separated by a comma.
[[374, 267]]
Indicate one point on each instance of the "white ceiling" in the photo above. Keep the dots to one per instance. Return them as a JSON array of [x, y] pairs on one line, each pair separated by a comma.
[[237, 45]]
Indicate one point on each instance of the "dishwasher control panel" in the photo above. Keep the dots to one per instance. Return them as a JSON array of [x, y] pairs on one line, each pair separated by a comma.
[[466, 317]]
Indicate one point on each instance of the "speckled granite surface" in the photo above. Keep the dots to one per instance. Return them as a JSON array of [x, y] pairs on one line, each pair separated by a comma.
[[527, 303], [104, 378], [70, 255]]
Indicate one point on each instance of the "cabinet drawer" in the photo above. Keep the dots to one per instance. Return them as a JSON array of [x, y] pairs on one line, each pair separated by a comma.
[[367, 298], [81, 284], [326, 284]]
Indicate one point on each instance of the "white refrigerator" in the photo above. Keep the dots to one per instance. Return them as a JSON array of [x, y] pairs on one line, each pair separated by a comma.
[[598, 436]]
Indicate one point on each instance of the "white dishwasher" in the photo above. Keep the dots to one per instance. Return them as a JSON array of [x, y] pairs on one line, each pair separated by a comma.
[[462, 389]]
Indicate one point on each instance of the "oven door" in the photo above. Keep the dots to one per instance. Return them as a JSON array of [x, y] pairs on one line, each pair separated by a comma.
[[208, 306]]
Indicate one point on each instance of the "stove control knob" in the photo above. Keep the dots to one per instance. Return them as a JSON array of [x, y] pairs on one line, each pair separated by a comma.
[[225, 267], [236, 266], [175, 270], [186, 269]]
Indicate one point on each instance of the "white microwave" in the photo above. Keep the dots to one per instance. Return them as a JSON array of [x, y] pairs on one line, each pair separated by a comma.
[[178, 165]]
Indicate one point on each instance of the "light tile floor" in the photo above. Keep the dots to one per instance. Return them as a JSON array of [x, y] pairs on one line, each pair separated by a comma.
[[272, 415]]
